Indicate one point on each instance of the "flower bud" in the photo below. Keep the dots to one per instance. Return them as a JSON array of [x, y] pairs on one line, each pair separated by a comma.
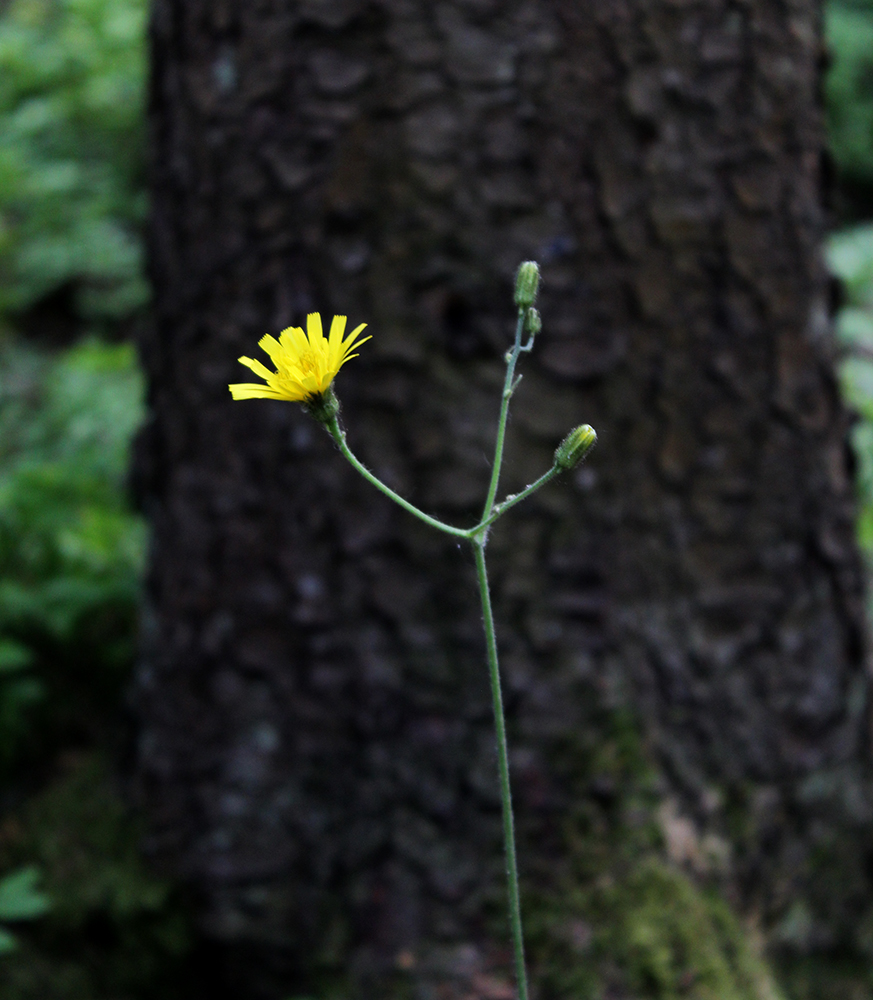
[[527, 282], [575, 446], [532, 321]]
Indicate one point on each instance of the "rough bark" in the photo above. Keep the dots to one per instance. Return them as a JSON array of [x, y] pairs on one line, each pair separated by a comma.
[[315, 747]]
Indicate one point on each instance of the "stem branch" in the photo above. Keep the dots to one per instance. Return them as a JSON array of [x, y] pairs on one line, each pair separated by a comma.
[[511, 501], [508, 389], [338, 434]]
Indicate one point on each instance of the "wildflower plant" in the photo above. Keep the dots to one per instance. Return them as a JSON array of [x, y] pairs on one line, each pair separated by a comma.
[[306, 364]]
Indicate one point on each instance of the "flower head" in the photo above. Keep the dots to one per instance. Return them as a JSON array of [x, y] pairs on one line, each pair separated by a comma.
[[306, 363]]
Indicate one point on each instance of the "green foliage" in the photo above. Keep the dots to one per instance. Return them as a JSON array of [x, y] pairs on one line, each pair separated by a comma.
[[848, 90], [851, 259], [114, 930], [70, 549], [20, 900], [19, 691], [71, 152]]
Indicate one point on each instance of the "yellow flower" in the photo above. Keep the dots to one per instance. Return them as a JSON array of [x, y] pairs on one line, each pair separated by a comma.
[[306, 363]]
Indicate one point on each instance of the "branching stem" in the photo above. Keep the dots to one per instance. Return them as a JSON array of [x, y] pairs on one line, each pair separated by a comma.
[[338, 434], [478, 539]]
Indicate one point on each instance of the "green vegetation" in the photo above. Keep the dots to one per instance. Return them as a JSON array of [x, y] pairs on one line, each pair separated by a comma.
[[71, 554], [72, 204], [114, 930], [20, 899], [647, 930], [849, 87], [851, 259], [70, 549], [71, 154]]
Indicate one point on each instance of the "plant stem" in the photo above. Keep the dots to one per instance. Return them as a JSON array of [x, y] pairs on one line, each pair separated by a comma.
[[478, 537], [338, 434], [511, 501], [503, 767], [508, 388]]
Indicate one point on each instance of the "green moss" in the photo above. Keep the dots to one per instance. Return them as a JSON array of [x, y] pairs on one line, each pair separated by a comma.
[[114, 930], [614, 917], [677, 940], [647, 929]]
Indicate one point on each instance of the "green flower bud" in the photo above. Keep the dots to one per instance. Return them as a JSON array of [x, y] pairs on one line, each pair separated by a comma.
[[527, 282], [575, 446], [532, 321]]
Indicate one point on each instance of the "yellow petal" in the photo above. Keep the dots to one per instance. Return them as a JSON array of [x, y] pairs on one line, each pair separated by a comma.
[[250, 390], [355, 332], [272, 346], [306, 363], [313, 329], [293, 392], [311, 385], [293, 341], [257, 368], [335, 340], [351, 346]]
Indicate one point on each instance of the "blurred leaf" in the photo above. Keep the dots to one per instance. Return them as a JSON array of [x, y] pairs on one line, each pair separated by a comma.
[[14, 656], [7, 942], [19, 897], [849, 96], [854, 328], [857, 378], [850, 256]]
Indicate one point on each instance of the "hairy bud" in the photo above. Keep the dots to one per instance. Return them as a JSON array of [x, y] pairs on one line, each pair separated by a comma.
[[575, 446], [527, 281], [532, 321]]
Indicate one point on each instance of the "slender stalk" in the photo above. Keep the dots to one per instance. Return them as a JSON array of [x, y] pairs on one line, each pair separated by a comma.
[[503, 767], [511, 501], [339, 436], [478, 537], [508, 389]]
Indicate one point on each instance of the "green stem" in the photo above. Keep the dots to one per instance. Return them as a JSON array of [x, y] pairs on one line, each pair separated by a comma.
[[503, 767], [511, 501], [339, 436], [478, 537], [508, 389]]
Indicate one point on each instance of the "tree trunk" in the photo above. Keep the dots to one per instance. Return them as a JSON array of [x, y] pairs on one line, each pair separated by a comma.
[[680, 622]]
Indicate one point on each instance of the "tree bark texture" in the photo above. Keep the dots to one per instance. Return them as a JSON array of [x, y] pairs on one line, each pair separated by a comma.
[[315, 742]]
